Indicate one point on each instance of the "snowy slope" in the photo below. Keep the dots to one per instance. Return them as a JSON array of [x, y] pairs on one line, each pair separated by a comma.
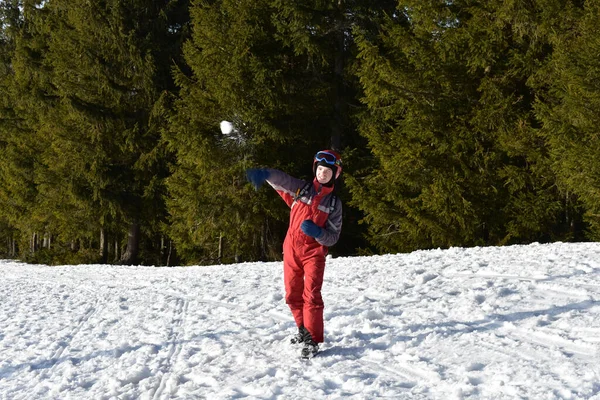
[[489, 323]]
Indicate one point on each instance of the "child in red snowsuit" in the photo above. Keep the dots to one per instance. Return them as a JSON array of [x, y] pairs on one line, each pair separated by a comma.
[[315, 225]]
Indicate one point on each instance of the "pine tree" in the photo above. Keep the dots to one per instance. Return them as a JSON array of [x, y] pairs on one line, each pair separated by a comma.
[[569, 105], [328, 29], [458, 158], [8, 26], [280, 72], [102, 79], [19, 142], [239, 75]]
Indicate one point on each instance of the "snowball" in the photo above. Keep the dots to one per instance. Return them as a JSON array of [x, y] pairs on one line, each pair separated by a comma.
[[226, 127]]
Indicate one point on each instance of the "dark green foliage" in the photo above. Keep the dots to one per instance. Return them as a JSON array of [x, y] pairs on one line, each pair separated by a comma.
[[94, 76], [19, 143], [570, 109], [276, 70], [106, 59], [459, 159], [460, 124], [240, 73]]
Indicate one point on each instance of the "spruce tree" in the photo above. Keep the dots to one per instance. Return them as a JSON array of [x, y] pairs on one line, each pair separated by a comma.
[[103, 81], [239, 73], [280, 72], [569, 106], [458, 157], [20, 144]]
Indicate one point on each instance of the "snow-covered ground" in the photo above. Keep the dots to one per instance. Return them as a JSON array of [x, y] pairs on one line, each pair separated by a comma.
[[489, 323]]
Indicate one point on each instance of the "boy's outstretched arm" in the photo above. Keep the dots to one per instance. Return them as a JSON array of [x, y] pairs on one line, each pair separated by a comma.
[[286, 186], [257, 176]]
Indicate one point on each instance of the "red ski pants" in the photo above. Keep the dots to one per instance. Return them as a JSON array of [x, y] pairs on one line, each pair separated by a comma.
[[303, 270]]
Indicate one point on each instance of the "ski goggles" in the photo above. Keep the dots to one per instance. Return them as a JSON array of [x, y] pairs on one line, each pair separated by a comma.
[[327, 157]]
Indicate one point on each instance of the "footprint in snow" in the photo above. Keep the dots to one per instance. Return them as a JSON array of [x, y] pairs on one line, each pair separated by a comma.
[[475, 367], [428, 277]]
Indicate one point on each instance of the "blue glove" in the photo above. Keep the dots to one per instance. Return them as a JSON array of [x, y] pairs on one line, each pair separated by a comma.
[[311, 229], [257, 176]]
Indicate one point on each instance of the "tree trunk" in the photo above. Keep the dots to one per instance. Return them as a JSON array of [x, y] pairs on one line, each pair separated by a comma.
[[220, 254], [130, 257], [103, 247], [47, 241], [169, 254], [117, 255], [263, 240], [34, 243]]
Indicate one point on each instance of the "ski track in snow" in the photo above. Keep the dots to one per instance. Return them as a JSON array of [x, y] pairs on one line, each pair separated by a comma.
[[491, 323]]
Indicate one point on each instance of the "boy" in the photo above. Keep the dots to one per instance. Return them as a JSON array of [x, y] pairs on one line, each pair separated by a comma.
[[315, 225]]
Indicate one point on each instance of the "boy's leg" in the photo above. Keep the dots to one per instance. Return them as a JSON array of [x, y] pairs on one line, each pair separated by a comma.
[[293, 277], [314, 270]]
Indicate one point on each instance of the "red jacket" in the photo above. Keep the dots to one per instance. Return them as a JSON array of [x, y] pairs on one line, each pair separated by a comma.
[[314, 205]]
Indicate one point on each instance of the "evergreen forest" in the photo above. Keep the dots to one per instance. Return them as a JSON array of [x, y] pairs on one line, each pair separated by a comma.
[[460, 123]]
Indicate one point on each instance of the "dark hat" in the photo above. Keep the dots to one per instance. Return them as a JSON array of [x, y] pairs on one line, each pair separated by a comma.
[[330, 159]]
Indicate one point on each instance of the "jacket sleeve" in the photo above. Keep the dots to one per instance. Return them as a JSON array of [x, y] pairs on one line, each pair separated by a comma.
[[333, 226], [285, 185]]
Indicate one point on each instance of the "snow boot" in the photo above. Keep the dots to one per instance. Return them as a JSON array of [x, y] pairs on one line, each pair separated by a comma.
[[301, 336], [310, 349]]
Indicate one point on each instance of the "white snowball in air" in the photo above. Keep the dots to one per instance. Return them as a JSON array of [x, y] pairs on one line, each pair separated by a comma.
[[226, 127]]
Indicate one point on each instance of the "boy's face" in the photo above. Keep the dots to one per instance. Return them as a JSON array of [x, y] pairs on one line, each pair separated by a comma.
[[323, 174]]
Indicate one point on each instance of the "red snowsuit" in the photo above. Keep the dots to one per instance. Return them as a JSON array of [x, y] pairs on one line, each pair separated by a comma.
[[304, 256]]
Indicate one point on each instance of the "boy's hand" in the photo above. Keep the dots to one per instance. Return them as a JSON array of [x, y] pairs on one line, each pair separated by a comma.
[[257, 176], [311, 229]]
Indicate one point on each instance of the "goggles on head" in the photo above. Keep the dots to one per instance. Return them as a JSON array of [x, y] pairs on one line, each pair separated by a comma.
[[329, 158]]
